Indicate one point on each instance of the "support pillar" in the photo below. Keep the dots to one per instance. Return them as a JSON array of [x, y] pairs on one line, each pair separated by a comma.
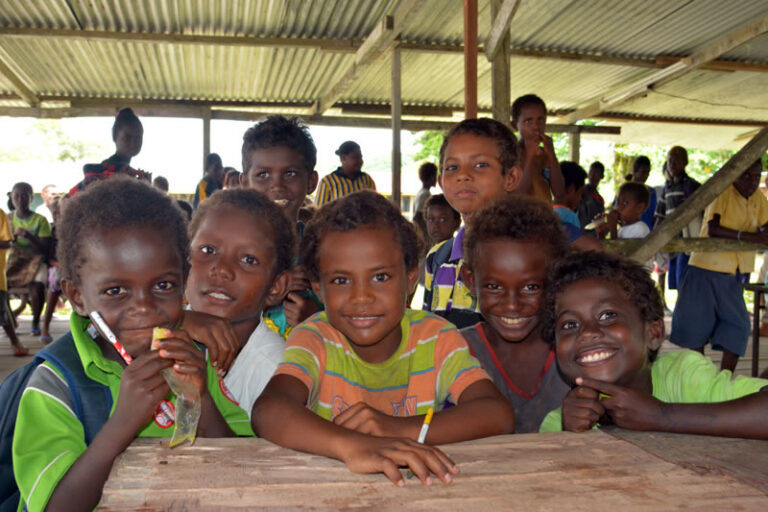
[[470, 58], [397, 111]]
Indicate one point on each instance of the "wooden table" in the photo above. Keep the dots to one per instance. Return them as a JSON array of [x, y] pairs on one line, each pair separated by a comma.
[[610, 470]]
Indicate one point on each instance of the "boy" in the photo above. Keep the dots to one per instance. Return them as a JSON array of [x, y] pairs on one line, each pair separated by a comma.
[[123, 251], [478, 159], [592, 203], [710, 306], [279, 159], [606, 317], [574, 178], [631, 202], [6, 317], [212, 179], [442, 221], [357, 379]]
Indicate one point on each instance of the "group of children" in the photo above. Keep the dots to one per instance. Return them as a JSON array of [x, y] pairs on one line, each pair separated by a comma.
[[542, 326]]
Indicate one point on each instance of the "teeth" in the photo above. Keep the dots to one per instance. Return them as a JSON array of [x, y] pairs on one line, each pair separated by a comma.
[[363, 317], [281, 202], [220, 296], [512, 321], [595, 356]]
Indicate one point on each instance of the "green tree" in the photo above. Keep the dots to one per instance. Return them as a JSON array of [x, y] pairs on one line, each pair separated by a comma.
[[429, 142]]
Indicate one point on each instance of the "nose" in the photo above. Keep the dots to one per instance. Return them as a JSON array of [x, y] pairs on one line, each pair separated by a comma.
[[464, 173], [143, 302], [221, 269], [513, 304], [590, 330], [361, 293]]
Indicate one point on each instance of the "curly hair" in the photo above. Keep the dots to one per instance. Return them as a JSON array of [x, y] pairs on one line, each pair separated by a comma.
[[364, 209], [440, 200], [505, 140], [631, 277], [275, 131], [524, 101], [637, 192], [115, 204], [573, 174], [261, 209], [515, 218]]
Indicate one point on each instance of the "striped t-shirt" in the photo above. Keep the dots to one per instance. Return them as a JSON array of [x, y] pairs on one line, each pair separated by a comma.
[[336, 185], [432, 366]]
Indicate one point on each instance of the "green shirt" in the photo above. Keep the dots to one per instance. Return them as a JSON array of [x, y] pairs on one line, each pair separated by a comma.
[[684, 377], [49, 438], [35, 224]]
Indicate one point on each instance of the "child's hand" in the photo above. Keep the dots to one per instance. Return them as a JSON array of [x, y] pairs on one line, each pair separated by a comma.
[[627, 407], [298, 308], [142, 386], [21, 232], [188, 361], [386, 455], [582, 408], [366, 420], [546, 146], [216, 334], [298, 282]]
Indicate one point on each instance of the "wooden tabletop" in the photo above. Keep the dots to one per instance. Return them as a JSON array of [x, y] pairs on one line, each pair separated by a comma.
[[612, 470]]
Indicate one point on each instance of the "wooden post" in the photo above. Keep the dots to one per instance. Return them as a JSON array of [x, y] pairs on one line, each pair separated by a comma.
[[206, 115], [500, 74], [470, 59], [707, 193], [574, 146], [397, 109]]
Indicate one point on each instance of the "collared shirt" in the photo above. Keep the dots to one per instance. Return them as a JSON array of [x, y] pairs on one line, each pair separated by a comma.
[[337, 184], [204, 190], [739, 214], [674, 194], [445, 294]]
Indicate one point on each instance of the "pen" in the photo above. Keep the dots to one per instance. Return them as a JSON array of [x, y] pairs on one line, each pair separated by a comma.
[[423, 433]]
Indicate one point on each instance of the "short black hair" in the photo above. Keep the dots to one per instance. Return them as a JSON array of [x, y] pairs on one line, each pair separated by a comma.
[[516, 218], [631, 277], [427, 172], [641, 161], [505, 140], [524, 101], [276, 131], [212, 159], [364, 209], [440, 200], [573, 174], [24, 186], [260, 208], [161, 182], [186, 208], [637, 192], [114, 204], [597, 164], [347, 147], [125, 117]]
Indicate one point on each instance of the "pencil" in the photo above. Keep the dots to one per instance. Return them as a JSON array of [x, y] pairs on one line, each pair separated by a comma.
[[105, 331], [423, 432]]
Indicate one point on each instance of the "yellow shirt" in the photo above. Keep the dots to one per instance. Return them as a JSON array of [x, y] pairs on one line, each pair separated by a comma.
[[5, 236], [737, 213]]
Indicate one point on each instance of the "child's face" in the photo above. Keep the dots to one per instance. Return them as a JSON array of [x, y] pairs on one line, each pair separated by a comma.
[[233, 261], [133, 278], [629, 209], [128, 140], [573, 196], [600, 334], [508, 279], [441, 222], [532, 122], [364, 285], [472, 173], [279, 172], [21, 198]]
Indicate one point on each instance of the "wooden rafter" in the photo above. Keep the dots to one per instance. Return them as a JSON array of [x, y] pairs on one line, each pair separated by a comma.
[[706, 54], [17, 84], [500, 27]]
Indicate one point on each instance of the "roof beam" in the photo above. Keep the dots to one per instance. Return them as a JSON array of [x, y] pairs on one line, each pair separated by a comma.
[[17, 84], [706, 54], [379, 42], [500, 27]]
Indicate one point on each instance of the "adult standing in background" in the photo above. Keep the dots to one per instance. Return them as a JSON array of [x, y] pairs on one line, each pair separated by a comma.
[[592, 203], [212, 179], [347, 178]]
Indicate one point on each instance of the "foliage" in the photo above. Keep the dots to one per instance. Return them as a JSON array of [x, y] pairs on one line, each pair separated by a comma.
[[47, 140], [429, 142]]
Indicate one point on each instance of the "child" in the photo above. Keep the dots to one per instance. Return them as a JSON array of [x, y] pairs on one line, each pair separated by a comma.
[[574, 178], [541, 172], [442, 221], [428, 178], [27, 263], [242, 246], [212, 179], [641, 168], [478, 159], [279, 159], [607, 319], [508, 248], [631, 202], [54, 273], [6, 317], [357, 379], [231, 178], [347, 178], [710, 305], [123, 250], [592, 203]]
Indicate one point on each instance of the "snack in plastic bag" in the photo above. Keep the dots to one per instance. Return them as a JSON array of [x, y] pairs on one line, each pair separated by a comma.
[[187, 399]]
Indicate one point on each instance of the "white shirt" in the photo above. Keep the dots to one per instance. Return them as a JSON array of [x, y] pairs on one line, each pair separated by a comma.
[[637, 230], [254, 366]]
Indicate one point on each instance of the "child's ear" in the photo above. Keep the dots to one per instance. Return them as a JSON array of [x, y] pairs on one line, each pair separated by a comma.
[[312, 182], [413, 279], [244, 180], [468, 277], [316, 290], [654, 332], [72, 292], [512, 178], [276, 292]]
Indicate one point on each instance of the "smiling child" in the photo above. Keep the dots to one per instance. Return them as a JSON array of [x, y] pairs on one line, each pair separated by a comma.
[[357, 379], [606, 317]]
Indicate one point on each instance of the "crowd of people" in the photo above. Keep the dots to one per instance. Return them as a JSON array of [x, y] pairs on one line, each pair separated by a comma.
[[301, 315]]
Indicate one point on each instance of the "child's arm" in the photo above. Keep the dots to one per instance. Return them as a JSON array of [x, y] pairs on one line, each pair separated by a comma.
[[41, 244], [481, 412], [216, 334], [556, 180], [745, 417], [280, 415]]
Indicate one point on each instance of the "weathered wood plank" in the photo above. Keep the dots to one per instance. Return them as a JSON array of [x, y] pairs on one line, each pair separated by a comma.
[[627, 246]]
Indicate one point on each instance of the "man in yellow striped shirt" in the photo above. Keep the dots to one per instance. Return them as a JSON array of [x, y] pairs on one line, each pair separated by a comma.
[[347, 178]]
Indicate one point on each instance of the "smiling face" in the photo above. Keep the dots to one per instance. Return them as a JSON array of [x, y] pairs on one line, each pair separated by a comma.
[[473, 175], [441, 222], [233, 264], [129, 139], [279, 172], [600, 334], [508, 279], [364, 285], [133, 278]]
